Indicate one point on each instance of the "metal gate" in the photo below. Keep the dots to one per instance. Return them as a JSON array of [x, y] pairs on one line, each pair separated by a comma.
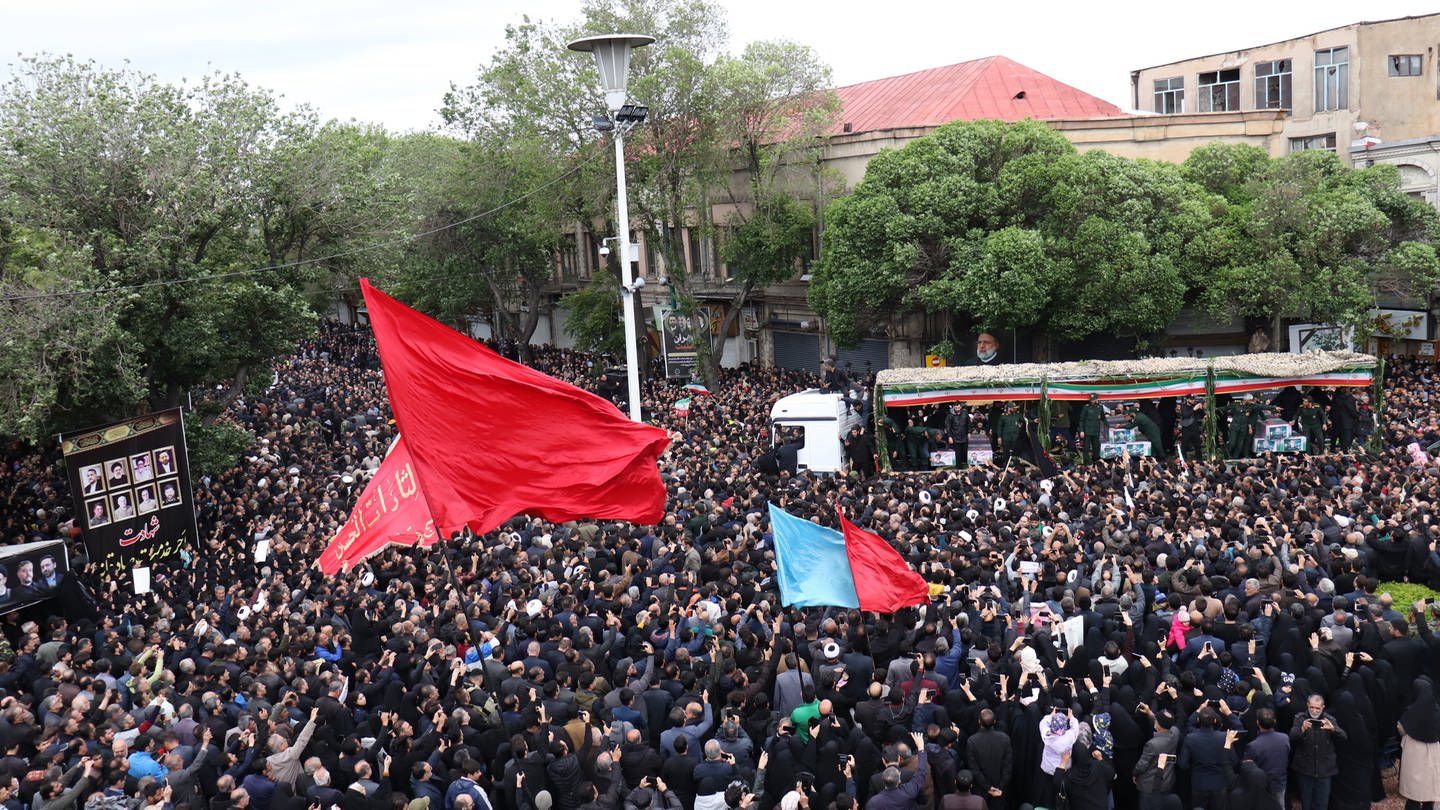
[[863, 360], [798, 351]]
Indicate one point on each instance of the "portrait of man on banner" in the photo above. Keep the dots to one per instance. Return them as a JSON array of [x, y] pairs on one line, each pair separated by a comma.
[[139, 515], [119, 476], [145, 502], [141, 465], [96, 513], [93, 476]]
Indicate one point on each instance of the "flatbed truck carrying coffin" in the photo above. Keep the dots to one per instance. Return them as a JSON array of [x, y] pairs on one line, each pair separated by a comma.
[[1124, 380]]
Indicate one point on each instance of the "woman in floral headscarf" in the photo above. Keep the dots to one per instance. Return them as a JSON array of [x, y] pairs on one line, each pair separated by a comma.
[[1058, 732]]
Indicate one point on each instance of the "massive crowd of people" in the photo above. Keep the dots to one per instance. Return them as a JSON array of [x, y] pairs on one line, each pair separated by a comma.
[[1128, 633]]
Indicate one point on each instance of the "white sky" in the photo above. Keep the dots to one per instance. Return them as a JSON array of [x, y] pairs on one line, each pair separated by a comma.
[[390, 62]]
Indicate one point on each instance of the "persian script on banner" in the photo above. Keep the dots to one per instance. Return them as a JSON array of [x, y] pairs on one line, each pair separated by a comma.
[[392, 509]]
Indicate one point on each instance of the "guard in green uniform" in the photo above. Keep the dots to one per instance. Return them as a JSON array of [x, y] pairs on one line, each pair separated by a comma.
[[1092, 427], [1149, 430], [1009, 431], [919, 441], [1237, 441], [893, 436], [1312, 425]]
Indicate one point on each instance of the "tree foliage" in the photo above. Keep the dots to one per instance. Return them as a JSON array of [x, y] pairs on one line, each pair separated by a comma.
[[594, 320], [1305, 236], [1007, 225], [138, 212]]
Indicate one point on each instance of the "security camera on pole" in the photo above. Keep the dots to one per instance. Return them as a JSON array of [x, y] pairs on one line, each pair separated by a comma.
[[612, 56]]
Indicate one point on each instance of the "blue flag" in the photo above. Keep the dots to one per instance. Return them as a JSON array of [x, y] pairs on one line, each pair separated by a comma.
[[814, 569]]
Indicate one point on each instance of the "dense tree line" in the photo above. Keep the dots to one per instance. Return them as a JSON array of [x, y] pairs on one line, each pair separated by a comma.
[[1008, 225]]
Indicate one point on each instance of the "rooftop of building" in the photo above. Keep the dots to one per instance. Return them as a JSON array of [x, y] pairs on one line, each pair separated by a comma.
[[994, 87]]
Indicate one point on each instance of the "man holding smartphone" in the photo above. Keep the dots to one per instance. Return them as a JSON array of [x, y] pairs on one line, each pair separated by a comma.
[[1313, 738]]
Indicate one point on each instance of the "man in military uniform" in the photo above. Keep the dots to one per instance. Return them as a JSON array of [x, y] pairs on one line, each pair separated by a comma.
[[893, 438], [1312, 425], [1237, 443], [1009, 431], [920, 439], [1092, 429], [1149, 430]]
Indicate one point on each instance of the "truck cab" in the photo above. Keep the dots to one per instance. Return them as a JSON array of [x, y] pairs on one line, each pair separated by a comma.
[[826, 419]]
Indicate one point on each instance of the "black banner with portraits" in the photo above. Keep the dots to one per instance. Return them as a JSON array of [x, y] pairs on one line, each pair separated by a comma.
[[131, 481]]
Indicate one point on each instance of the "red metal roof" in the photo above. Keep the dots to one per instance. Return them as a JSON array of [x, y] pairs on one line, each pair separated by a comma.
[[993, 87]]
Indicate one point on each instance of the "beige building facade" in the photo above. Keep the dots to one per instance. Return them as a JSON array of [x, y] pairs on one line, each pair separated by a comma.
[[1362, 83]]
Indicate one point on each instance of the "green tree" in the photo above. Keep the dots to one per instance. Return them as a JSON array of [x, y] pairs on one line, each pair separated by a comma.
[[775, 111], [188, 223], [1008, 226], [1305, 236], [595, 316], [64, 359], [492, 239]]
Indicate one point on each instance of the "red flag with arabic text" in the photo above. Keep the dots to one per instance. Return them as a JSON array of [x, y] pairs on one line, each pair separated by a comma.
[[392, 509]]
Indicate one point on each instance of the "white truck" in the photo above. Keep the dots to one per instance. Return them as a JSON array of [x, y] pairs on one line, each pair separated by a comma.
[[826, 419]]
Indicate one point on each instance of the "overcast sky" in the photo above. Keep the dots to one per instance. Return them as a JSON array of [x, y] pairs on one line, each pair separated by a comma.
[[390, 62]]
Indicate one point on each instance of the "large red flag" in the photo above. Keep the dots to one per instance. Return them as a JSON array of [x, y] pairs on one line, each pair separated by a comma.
[[392, 509], [884, 582], [492, 439]]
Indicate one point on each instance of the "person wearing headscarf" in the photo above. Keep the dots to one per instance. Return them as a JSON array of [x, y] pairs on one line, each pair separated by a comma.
[[1350, 789], [1419, 729], [1252, 791], [1058, 732], [1084, 776]]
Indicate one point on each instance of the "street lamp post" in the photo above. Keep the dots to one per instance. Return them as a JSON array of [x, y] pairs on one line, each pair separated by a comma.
[[612, 56]]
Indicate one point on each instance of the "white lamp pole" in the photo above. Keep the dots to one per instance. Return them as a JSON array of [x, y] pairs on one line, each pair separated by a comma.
[[612, 56]]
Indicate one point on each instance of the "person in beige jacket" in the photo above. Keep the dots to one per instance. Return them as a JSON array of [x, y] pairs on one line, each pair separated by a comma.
[[287, 760]]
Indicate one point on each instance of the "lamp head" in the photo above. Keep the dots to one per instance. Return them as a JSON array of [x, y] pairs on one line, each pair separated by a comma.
[[612, 57]]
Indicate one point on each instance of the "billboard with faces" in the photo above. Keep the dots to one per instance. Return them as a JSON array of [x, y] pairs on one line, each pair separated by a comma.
[[131, 485]]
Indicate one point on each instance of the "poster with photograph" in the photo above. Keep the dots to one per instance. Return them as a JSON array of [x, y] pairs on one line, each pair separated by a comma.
[[131, 484], [677, 335], [31, 572]]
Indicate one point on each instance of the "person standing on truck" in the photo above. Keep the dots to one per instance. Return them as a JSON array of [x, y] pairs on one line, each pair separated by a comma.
[[833, 379], [1009, 431], [957, 431], [1092, 427]]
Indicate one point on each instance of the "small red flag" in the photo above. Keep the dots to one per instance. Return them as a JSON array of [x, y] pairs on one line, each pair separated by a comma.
[[492, 439], [884, 582], [392, 509]]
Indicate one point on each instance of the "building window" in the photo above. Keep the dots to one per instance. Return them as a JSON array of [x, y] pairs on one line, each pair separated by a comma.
[[569, 260], [1407, 64], [1326, 141], [1272, 85], [1170, 95], [1332, 79], [1220, 90]]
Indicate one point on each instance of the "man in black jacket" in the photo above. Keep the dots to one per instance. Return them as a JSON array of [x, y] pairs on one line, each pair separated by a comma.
[[1313, 738], [1155, 771], [989, 755]]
